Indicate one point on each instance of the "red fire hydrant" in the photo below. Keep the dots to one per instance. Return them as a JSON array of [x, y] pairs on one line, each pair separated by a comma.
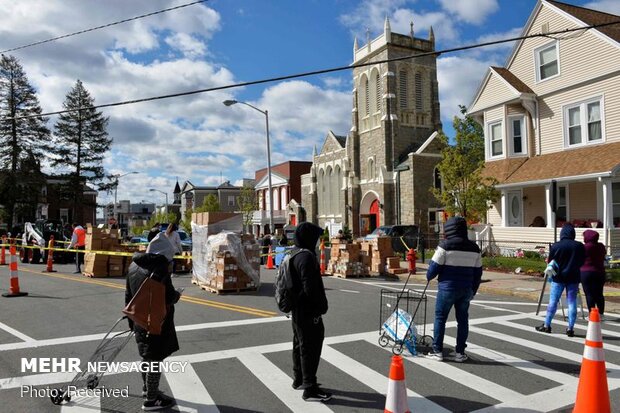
[[411, 258]]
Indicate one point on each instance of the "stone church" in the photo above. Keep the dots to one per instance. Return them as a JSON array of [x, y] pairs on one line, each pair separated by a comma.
[[382, 172]]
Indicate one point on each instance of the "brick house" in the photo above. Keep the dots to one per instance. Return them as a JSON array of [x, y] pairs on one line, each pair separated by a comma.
[[286, 186], [54, 205], [193, 196], [553, 114], [382, 171]]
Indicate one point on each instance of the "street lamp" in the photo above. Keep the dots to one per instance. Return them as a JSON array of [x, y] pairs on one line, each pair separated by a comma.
[[266, 113], [119, 176], [165, 193]]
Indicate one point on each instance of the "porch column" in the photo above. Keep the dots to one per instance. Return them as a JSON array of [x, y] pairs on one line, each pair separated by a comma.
[[607, 209], [550, 214], [504, 208]]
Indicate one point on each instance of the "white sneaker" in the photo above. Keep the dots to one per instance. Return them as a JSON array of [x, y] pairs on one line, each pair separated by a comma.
[[434, 355], [460, 357]]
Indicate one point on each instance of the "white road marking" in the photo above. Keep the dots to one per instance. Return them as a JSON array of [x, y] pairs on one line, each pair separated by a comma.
[[82, 405], [16, 333], [376, 381], [279, 383], [350, 291], [472, 381], [94, 337], [188, 390]]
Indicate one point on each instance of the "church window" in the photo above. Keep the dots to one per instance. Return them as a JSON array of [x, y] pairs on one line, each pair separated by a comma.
[[418, 91], [378, 91], [366, 97], [402, 89], [371, 169]]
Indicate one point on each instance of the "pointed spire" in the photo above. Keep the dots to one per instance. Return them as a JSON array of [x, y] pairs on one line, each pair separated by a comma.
[[355, 45], [368, 39], [314, 152], [177, 188], [411, 30], [431, 35], [387, 30]]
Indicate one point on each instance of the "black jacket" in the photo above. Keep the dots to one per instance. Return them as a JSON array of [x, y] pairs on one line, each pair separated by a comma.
[[569, 255], [312, 301], [153, 347]]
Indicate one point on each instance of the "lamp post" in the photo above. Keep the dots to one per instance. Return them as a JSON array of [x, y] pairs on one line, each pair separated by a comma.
[[118, 176], [266, 113], [165, 193]]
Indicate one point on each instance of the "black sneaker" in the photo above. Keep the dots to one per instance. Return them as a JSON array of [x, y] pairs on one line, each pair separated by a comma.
[[159, 394], [159, 403], [296, 384], [316, 394], [543, 328], [570, 333]]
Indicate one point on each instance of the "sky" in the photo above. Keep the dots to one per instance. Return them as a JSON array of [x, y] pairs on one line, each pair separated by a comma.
[[226, 42]]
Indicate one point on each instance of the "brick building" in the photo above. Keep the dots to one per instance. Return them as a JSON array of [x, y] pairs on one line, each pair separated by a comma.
[[192, 196], [54, 203], [285, 186], [381, 173]]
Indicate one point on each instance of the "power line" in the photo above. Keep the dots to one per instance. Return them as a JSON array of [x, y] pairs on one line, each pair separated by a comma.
[[319, 72], [64, 36]]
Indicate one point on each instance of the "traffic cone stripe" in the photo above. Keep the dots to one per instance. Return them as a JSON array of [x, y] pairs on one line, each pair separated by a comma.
[[594, 333], [13, 267], [594, 354]]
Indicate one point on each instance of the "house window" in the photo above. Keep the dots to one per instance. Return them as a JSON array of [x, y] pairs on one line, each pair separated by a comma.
[[583, 122], [561, 214], [547, 62], [437, 179], [496, 143], [402, 89], [231, 200], [615, 198], [517, 135]]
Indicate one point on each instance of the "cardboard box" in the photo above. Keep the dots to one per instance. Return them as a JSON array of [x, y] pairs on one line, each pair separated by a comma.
[[393, 262]]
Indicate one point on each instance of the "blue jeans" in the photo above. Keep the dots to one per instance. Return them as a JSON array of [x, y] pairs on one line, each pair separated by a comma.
[[445, 300], [571, 298]]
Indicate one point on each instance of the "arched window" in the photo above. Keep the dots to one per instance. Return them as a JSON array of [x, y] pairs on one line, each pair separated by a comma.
[[379, 90], [329, 190], [402, 89], [375, 92], [437, 179], [419, 96], [366, 97], [371, 169], [322, 194], [276, 199], [339, 196], [283, 197]]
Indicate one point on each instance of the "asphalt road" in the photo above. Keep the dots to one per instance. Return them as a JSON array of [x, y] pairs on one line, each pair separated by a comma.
[[238, 350]]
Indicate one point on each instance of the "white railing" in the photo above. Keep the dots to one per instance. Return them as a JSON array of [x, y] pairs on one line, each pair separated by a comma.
[[262, 215]]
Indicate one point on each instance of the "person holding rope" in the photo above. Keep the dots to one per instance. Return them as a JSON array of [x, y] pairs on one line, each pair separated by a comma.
[[458, 264]]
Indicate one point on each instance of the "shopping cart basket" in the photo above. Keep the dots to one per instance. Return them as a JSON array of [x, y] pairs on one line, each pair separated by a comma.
[[107, 350], [402, 319]]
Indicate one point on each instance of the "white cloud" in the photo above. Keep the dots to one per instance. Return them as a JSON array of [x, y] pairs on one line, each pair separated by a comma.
[[190, 46], [470, 11], [459, 78], [607, 6]]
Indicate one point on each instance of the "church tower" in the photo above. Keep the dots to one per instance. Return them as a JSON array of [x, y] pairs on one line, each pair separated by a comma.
[[395, 111]]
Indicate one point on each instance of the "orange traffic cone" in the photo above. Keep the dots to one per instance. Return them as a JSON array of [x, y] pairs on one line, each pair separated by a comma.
[[3, 253], [396, 400], [50, 256], [14, 288], [270, 265], [593, 393], [322, 248]]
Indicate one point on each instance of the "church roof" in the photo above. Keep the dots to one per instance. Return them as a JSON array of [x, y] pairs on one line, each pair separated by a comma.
[[342, 140], [177, 188]]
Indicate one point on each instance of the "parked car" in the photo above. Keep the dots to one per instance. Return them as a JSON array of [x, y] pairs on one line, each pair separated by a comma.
[[138, 240], [400, 233]]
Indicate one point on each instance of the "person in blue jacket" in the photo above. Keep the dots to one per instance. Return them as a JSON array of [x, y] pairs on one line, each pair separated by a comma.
[[458, 264], [569, 255]]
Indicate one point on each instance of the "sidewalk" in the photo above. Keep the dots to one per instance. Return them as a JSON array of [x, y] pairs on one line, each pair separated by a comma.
[[521, 285]]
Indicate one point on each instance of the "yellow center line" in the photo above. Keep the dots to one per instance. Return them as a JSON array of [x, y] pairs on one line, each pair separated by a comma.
[[186, 298]]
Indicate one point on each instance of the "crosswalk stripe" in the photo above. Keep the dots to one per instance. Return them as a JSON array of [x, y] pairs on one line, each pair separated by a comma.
[[82, 405], [279, 383], [494, 390], [545, 401], [188, 390], [375, 380], [605, 332]]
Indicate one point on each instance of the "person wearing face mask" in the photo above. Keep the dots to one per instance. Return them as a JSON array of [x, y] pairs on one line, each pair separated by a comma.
[[311, 305]]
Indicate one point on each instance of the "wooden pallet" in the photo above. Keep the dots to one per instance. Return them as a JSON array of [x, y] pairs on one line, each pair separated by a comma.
[[227, 291], [340, 275]]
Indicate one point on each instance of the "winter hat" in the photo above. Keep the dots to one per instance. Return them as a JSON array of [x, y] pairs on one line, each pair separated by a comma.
[[161, 245]]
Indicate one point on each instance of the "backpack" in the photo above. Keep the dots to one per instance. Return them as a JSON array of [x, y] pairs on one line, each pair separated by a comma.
[[286, 298]]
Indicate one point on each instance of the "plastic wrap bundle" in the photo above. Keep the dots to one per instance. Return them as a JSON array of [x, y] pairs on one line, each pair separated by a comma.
[[397, 326], [224, 261]]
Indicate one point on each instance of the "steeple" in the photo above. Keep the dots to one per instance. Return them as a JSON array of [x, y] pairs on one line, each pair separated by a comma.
[[368, 39], [411, 30], [177, 193], [387, 30], [431, 36], [314, 152], [355, 45]]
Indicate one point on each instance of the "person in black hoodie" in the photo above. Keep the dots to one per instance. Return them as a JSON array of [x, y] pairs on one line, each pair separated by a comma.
[[154, 348], [569, 255], [308, 329]]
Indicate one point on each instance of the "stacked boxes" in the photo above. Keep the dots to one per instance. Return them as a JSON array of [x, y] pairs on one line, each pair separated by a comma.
[[345, 260], [98, 239], [98, 265], [381, 250], [393, 266]]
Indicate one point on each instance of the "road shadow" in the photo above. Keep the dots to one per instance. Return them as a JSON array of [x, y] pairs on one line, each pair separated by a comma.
[[356, 400]]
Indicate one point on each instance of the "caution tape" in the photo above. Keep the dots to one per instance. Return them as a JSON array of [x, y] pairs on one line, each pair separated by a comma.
[[113, 253]]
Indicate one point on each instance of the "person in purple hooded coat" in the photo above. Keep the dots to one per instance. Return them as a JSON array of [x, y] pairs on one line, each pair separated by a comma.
[[593, 271]]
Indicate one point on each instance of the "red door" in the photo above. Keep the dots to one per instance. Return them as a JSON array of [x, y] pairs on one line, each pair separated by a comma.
[[293, 220], [374, 211]]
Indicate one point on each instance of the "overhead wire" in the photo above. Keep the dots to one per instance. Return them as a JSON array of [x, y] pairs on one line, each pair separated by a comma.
[[319, 72], [92, 29]]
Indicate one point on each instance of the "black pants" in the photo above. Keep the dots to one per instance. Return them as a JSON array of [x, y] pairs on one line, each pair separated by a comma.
[[308, 335], [593, 283], [150, 381], [79, 258]]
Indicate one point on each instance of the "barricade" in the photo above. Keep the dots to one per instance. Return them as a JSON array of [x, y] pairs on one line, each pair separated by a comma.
[[270, 265], [14, 286], [50, 256]]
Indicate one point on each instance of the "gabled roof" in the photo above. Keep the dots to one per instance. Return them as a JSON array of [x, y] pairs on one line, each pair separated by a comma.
[[592, 17], [342, 140], [512, 80], [332, 139], [596, 160]]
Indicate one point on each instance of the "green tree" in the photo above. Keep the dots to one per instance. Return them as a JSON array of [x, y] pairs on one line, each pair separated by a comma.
[[186, 222], [465, 191], [210, 204], [247, 204], [23, 133], [80, 143]]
